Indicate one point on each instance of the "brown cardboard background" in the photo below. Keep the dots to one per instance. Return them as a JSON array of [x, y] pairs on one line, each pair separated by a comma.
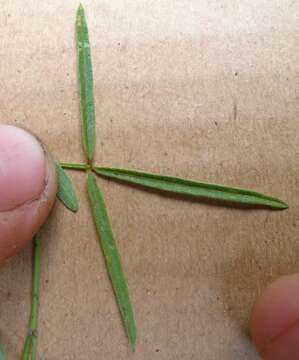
[[205, 90]]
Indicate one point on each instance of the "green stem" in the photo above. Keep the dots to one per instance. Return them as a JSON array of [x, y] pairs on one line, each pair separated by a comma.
[[74, 166], [27, 348], [34, 348], [31, 340]]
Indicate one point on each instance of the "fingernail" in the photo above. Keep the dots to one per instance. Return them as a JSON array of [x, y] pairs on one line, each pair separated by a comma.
[[22, 167], [285, 346]]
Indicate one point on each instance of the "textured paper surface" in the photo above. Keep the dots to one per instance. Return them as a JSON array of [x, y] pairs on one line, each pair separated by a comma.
[[199, 89]]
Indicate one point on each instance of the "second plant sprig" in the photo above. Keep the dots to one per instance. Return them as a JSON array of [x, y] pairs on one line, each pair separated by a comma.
[[30, 346]]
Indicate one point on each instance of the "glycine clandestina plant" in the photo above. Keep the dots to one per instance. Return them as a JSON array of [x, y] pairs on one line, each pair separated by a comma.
[[163, 183]]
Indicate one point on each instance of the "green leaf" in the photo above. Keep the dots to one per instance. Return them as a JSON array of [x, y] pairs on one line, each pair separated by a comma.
[[85, 84], [112, 258], [191, 188], [66, 191]]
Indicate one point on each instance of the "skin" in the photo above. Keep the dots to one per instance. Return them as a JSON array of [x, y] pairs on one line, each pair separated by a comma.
[[28, 187], [275, 320]]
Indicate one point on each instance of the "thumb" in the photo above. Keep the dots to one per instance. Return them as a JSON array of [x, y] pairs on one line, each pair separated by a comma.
[[27, 188]]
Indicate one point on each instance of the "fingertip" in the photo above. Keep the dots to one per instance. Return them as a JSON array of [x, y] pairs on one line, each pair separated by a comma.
[[275, 320], [22, 167], [28, 186]]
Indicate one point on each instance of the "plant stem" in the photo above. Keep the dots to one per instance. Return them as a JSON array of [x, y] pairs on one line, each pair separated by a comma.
[[34, 348], [74, 166], [27, 348], [31, 339]]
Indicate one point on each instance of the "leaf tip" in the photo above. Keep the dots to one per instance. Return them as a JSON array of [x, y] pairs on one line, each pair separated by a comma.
[[283, 205], [74, 208], [80, 14], [132, 341], [80, 8], [279, 205], [132, 337]]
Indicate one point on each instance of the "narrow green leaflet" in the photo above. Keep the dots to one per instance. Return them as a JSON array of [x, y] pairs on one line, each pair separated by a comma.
[[192, 188], [66, 191], [85, 84], [112, 258]]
